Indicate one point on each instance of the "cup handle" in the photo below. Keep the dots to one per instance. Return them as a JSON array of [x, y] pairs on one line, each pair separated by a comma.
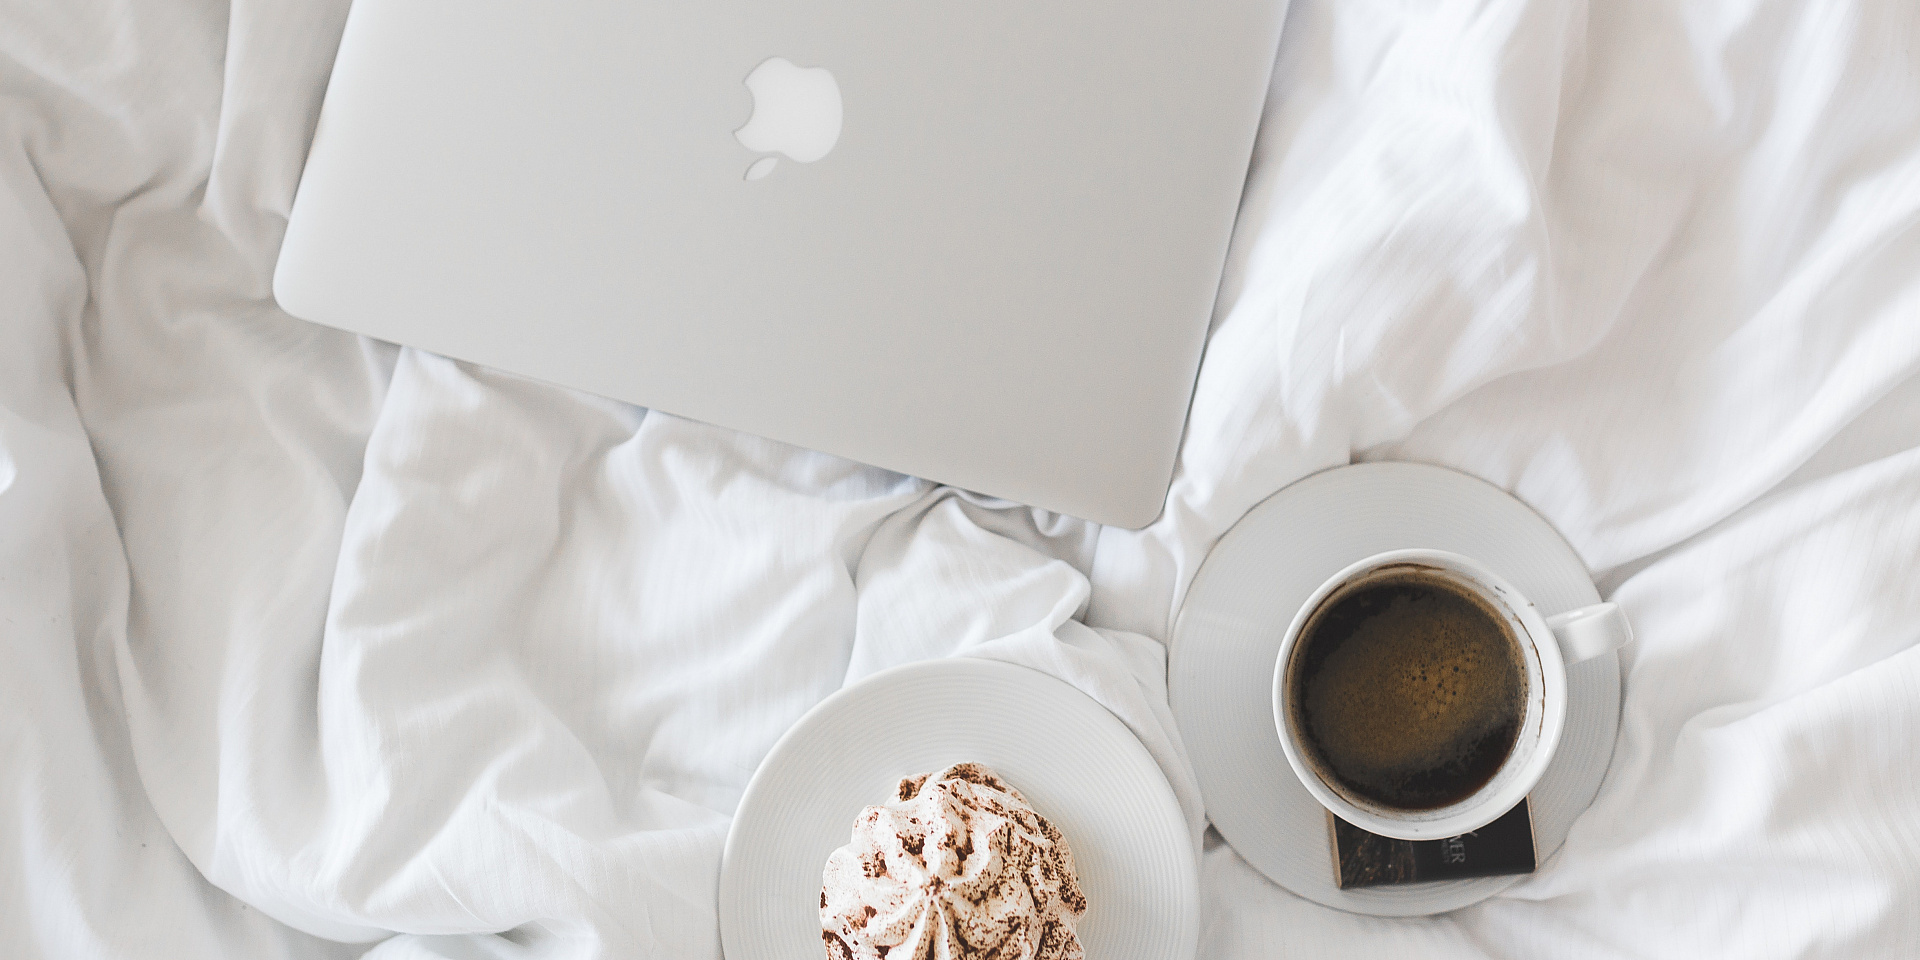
[[1590, 631]]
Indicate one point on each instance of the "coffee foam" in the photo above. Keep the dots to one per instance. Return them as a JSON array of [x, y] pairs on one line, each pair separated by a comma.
[[1415, 686]]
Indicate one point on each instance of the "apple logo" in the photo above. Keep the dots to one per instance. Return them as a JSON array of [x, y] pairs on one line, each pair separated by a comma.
[[796, 113]]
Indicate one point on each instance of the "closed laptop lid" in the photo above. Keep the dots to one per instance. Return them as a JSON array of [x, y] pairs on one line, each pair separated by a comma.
[[997, 274]]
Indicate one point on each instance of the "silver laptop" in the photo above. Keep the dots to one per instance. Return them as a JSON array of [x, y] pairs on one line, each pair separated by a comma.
[[975, 242]]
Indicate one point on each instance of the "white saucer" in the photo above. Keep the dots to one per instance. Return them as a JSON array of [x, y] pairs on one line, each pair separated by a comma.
[[1075, 762], [1228, 634]]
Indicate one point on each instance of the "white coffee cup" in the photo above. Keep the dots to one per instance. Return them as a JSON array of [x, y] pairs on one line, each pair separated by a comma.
[[1547, 646]]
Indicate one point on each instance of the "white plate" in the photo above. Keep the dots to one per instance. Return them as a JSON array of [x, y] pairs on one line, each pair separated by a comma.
[[1075, 762], [1228, 634]]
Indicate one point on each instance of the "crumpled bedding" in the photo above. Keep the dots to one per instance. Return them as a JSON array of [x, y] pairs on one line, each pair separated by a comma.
[[316, 647]]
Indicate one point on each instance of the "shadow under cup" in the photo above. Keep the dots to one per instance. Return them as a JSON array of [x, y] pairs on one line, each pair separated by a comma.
[[1410, 691]]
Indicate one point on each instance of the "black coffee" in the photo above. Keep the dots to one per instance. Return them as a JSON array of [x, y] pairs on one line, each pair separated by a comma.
[[1409, 689]]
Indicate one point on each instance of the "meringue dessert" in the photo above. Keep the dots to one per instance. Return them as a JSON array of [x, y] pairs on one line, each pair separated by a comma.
[[958, 867]]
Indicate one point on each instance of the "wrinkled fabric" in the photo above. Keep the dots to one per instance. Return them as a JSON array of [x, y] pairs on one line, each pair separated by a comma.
[[318, 647]]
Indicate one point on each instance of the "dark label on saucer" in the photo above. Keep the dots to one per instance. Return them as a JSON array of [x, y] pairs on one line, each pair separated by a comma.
[[1362, 859]]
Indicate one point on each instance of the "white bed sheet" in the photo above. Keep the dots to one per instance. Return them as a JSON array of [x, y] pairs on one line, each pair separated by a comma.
[[318, 648]]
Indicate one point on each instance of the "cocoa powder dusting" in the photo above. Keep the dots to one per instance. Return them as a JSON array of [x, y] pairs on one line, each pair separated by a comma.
[[959, 865]]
